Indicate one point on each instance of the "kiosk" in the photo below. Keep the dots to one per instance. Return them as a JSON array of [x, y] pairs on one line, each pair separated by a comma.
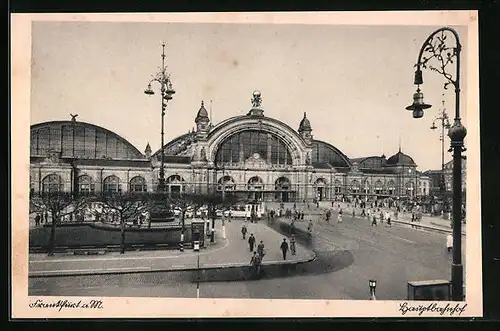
[[433, 290]]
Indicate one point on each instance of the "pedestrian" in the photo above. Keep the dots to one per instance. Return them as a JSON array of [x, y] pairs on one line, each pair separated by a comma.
[[339, 218], [261, 250], [229, 216], [292, 245], [244, 231], [449, 242], [284, 248], [374, 220], [251, 242], [309, 230], [37, 220], [255, 265], [46, 217], [353, 212], [388, 218], [292, 227]]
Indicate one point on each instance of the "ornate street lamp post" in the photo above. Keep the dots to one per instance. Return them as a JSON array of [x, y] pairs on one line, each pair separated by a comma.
[[163, 78], [436, 48], [444, 124]]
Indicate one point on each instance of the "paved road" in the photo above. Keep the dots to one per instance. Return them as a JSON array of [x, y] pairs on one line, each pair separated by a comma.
[[392, 256], [231, 251]]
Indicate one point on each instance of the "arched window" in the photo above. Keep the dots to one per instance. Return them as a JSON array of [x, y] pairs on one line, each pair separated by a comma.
[[391, 187], [354, 186], [283, 184], [337, 186], [255, 186], [410, 187], [85, 184], [378, 187], [52, 183], [243, 145], [321, 188], [226, 183], [175, 184], [255, 183], [138, 184], [320, 182], [112, 184]]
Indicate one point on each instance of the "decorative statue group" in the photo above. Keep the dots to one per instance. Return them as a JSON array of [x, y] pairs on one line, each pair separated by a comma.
[[257, 99]]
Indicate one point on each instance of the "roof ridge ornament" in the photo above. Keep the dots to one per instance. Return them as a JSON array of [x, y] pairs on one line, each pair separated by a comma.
[[256, 104], [257, 99]]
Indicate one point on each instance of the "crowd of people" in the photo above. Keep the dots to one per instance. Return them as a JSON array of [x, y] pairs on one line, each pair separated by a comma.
[[377, 212]]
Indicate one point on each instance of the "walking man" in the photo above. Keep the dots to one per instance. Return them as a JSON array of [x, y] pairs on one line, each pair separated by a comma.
[[292, 245], [260, 250], [37, 220], [388, 218], [339, 218], [284, 248], [374, 220], [244, 231], [255, 265], [251, 242]]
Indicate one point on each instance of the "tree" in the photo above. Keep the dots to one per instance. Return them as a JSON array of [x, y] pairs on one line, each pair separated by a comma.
[[127, 206], [59, 204], [215, 202], [184, 202]]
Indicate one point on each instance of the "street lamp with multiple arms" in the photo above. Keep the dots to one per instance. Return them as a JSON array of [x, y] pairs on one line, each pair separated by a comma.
[[436, 48], [444, 124], [163, 78]]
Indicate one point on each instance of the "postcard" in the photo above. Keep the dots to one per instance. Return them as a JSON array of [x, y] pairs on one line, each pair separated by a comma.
[[287, 164]]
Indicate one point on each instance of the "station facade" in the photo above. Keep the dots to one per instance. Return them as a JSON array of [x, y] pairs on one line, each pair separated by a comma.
[[253, 156]]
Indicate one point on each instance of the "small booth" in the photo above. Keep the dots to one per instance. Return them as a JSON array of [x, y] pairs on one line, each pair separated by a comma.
[[429, 290], [197, 234]]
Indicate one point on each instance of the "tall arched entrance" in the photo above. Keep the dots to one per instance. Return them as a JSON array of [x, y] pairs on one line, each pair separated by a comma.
[[283, 189], [255, 187], [321, 187]]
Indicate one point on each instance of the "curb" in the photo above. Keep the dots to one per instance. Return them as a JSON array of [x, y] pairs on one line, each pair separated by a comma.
[[426, 227], [417, 225], [136, 270]]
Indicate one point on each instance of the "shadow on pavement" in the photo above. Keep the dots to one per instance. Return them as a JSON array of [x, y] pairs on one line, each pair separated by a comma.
[[325, 262]]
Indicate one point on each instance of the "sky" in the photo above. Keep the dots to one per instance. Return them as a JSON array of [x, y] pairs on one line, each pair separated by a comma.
[[353, 81]]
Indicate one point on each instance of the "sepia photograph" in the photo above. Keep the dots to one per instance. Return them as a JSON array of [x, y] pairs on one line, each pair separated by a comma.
[[236, 165]]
